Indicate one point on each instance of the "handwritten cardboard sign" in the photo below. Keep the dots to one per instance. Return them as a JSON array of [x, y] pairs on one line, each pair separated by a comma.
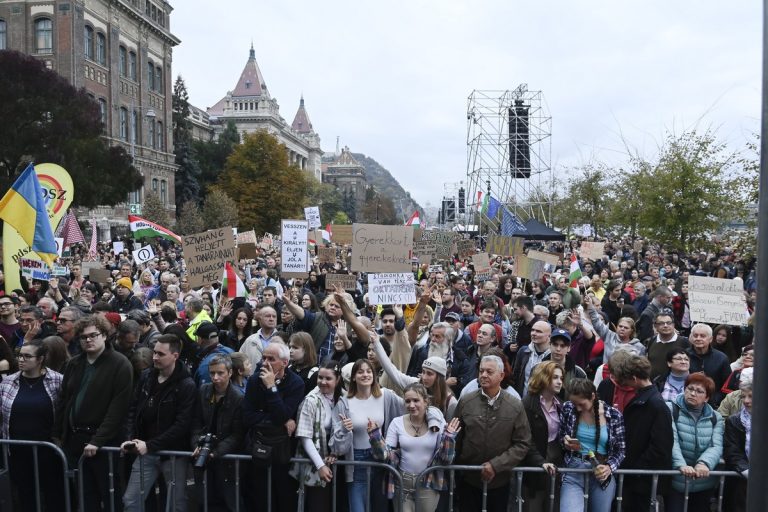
[[482, 266], [326, 255], [247, 251], [505, 245], [443, 242], [528, 268], [341, 234], [34, 269], [206, 253], [86, 267], [392, 288], [466, 248], [592, 250], [377, 248], [346, 281], [294, 258], [246, 237], [717, 301], [100, 275], [549, 257], [433, 269]]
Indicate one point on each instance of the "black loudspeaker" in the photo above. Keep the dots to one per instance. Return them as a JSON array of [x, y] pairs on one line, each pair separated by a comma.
[[519, 141], [462, 201], [449, 211]]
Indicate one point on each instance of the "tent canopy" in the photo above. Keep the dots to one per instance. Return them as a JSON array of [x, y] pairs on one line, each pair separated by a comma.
[[538, 231]]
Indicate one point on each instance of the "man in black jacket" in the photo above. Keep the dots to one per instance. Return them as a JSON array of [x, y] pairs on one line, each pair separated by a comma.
[[649, 440], [160, 418], [94, 399]]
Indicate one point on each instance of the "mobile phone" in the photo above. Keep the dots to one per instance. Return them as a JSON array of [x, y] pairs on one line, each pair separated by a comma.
[[129, 447]]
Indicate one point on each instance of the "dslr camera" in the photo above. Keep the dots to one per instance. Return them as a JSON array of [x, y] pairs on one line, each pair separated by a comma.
[[204, 444]]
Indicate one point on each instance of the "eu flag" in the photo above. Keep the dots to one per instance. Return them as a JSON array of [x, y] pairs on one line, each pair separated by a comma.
[[510, 224], [23, 207]]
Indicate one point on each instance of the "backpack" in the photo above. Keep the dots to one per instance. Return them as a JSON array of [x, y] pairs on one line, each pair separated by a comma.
[[676, 415]]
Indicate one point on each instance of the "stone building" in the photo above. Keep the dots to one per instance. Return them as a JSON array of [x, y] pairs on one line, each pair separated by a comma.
[[120, 52], [348, 176], [251, 107]]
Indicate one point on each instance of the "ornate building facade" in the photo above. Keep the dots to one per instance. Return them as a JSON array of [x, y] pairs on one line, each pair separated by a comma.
[[120, 52], [251, 107], [348, 176]]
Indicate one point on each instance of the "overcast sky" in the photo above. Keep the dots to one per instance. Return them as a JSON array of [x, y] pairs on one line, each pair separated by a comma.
[[391, 78]]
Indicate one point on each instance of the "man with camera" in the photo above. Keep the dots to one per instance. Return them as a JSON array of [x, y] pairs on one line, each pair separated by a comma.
[[217, 431], [160, 418]]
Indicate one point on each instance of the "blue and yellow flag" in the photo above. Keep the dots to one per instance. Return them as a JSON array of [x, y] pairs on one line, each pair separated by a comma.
[[23, 207]]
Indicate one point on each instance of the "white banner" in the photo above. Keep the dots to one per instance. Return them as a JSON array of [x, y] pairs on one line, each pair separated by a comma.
[[392, 288], [118, 247], [143, 254], [717, 301], [312, 214], [294, 248]]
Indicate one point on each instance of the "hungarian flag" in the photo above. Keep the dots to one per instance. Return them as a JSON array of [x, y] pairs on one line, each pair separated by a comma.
[[231, 284], [414, 220], [327, 233], [575, 273], [142, 228]]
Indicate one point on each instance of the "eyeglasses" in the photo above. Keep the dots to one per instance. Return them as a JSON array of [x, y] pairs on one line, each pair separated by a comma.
[[681, 359], [6, 304], [26, 357], [696, 391], [63, 320], [89, 336]]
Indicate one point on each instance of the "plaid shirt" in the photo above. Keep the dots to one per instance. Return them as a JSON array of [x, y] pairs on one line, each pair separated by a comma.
[[616, 433], [9, 388]]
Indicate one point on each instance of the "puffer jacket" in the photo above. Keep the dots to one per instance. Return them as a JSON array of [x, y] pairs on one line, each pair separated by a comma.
[[694, 442]]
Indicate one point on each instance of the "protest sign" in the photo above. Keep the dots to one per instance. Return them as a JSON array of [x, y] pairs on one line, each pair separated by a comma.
[[59, 246], [206, 253], [86, 267], [377, 248], [118, 247], [60, 271], [246, 237], [435, 269], [143, 254], [443, 242], [294, 253], [100, 275], [266, 242], [549, 257], [246, 251], [346, 281], [717, 301], [34, 269], [528, 268], [424, 250], [504, 245], [326, 255], [482, 266], [341, 234], [312, 214], [465, 248], [391, 288], [592, 250]]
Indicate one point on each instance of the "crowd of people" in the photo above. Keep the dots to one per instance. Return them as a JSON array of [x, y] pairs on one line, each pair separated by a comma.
[[496, 373]]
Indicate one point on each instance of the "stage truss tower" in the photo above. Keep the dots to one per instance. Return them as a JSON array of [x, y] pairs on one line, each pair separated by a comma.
[[509, 152]]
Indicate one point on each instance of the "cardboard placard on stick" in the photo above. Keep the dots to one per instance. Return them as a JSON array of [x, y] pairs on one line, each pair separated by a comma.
[[247, 251], [206, 253], [717, 301], [392, 288], [377, 248], [246, 237], [346, 281], [528, 268], [549, 257], [482, 266], [294, 252], [86, 267], [466, 248], [326, 255], [592, 250], [100, 275], [341, 234], [504, 245], [443, 242]]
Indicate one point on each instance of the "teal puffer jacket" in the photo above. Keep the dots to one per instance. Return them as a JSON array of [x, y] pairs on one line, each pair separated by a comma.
[[696, 441]]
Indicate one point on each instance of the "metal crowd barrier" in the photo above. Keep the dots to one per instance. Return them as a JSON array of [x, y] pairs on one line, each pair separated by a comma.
[[516, 497]]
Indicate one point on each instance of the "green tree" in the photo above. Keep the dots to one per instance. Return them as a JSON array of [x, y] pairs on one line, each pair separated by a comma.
[[212, 155], [264, 186], [691, 192], [219, 210], [379, 209], [327, 197], [588, 199], [190, 219], [188, 174], [341, 218], [154, 210], [45, 119]]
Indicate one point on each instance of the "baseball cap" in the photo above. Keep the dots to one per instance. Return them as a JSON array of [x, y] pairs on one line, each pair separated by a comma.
[[207, 330], [561, 333], [453, 316], [436, 364]]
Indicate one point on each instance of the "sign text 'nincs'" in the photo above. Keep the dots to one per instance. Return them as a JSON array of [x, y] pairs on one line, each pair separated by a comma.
[[206, 253], [392, 288]]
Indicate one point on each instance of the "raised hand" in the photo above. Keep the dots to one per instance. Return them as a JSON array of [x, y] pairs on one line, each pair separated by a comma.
[[346, 422], [454, 426], [371, 425]]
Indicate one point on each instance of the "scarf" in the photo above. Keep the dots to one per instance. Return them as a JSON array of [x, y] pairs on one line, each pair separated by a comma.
[[622, 395], [746, 420]]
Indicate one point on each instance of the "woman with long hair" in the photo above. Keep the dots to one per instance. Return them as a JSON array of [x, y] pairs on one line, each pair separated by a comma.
[[736, 450], [592, 433], [58, 355], [309, 301], [543, 410], [303, 359], [241, 326], [314, 430], [722, 340], [412, 447], [27, 401]]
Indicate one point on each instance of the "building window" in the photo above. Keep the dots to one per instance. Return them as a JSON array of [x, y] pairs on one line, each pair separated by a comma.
[[148, 9], [159, 136], [154, 13], [151, 134], [88, 43], [103, 111], [134, 126], [132, 66], [123, 123], [101, 49], [150, 76], [154, 185], [123, 61], [159, 79], [163, 191], [3, 35], [44, 35]]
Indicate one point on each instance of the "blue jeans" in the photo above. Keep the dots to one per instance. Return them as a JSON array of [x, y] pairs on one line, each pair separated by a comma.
[[144, 476], [358, 499], [572, 491]]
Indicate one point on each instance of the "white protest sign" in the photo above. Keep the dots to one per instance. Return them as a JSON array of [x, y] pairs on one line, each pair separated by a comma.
[[312, 214], [392, 288], [34, 269], [717, 301], [117, 247], [143, 254], [59, 245], [60, 271], [293, 248], [592, 250]]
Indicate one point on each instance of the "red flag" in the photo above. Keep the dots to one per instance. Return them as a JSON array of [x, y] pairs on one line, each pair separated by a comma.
[[71, 231]]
